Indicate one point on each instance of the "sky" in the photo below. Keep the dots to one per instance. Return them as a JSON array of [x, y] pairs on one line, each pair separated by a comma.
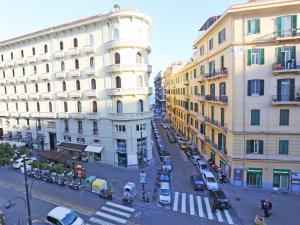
[[175, 23]]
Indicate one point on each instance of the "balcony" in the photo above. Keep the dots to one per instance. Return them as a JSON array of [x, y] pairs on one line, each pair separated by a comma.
[[288, 34], [21, 79], [290, 67], [78, 115], [12, 80], [221, 149], [130, 116], [14, 114], [75, 94], [186, 82], [20, 61], [23, 97], [10, 63], [91, 93], [24, 114], [216, 123], [31, 59], [45, 76], [59, 54], [33, 77], [61, 95], [129, 68], [217, 99], [127, 43], [2, 81], [4, 114], [89, 71], [3, 98], [74, 73], [201, 98], [13, 97], [63, 115], [87, 49], [46, 95], [129, 91], [73, 52], [2, 65], [49, 115], [34, 96], [60, 75], [93, 116], [44, 57], [217, 74], [285, 100]]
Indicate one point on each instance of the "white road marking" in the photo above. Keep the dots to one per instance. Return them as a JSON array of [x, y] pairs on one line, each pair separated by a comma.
[[228, 217], [175, 205], [200, 209], [99, 221], [116, 211], [209, 213], [129, 209], [192, 207], [183, 203], [108, 216], [219, 216]]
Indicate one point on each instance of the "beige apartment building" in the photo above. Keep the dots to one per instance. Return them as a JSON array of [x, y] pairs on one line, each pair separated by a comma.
[[239, 99]]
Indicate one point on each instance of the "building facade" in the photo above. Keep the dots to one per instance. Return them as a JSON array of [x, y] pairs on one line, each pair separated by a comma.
[[239, 99], [83, 82], [160, 91]]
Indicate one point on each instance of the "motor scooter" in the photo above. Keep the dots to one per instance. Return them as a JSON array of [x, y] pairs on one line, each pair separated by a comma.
[[106, 194], [74, 185]]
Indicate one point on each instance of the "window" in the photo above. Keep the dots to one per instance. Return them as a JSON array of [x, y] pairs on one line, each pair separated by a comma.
[[34, 69], [80, 130], [17, 107], [37, 107], [140, 127], [196, 107], [222, 36], [255, 87], [120, 128], [36, 88], [212, 67], [5, 90], [62, 66], [202, 109], [93, 84], [33, 51], [3, 73], [46, 49], [286, 26], [64, 87], [23, 70], [202, 50], [253, 26], [39, 126], [116, 34], [27, 108], [91, 40], [75, 43], [11, 55], [118, 82], [211, 44], [256, 56], [48, 87], [255, 146], [50, 107], [119, 107], [22, 53], [212, 91], [255, 117], [95, 109], [77, 85], [121, 145], [61, 46], [138, 57], [13, 73], [79, 109], [212, 113], [117, 58], [202, 69], [202, 129], [284, 117], [92, 62], [47, 68], [66, 125], [212, 135], [140, 106], [25, 88], [15, 89], [7, 106], [76, 64], [283, 147], [139, 81], [65, 106], [95, 128], [222, 89]]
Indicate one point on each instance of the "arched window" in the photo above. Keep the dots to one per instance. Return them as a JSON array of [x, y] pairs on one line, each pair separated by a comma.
[[22, 53], [118, 82], [95, 109], [33, 51], [92, 62], [23, 69], [91, 40], [13, 72], [140, 106], [3, 72], [61, 46], [116, 34], [62, 66], [37, 106], [50, 107], [27, 109], [76, 64], [48, 87], [7, 106], [36, 88], [11, 55], [25, 88], [34, 69], [119, 107], [75, 43], [139, 81], [65, 106], [15, 89], [117, 58], [46, 49], [79, 109], [64, 87], [93, 84], [138, 57], [17, 107], [77, 85], [47, 68]]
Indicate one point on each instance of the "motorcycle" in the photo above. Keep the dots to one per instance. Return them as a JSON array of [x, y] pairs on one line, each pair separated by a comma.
[[74, 185], [223, 179], [106, 194]]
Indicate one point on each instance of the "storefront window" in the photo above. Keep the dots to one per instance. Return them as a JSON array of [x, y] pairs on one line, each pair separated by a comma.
[[254, 177], [281, 178]]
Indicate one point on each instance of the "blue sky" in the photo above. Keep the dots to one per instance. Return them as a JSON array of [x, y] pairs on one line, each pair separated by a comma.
[[175, 25]]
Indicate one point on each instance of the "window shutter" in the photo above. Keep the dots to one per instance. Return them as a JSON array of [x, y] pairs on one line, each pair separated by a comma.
[[262, 87], [249, 26], [294, 24], [249, 87], [219, 37], [219, 140], [278, 25], [262, 56], [257, 24], [292, 90], [293, 52], [279, 55], [261, 147], [278, 90], [222, 61], [249, 57], [249, 148]]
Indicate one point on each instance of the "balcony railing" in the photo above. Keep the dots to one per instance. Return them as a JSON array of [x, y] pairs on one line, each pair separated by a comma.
[[10, 63], [217, 73], [20, 61], [45, 76], [287, 33], [12, 97], [74, 73], [75, 94], [33, 77], [215, 146], [12, 80], [131, 116], [91, 93], [59, 54], [44, 57], [60, 75], [129, 91], [216, 123], [89, 71], [3, 97], [88, 49], [286, 99], [47, 95], [73, 51], [31, 59], [221, 99], [2, 65], [21, 79], [128, 67], [286, 67], [23, 96], [127, 43], [61, 95]]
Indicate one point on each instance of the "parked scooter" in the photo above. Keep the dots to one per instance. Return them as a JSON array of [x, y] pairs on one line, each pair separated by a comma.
[[106, 194], [223, 179], [74, 185]]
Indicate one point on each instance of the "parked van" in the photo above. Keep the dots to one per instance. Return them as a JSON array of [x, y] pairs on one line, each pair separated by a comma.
[[210, 181], [164, 193], [203, 167]]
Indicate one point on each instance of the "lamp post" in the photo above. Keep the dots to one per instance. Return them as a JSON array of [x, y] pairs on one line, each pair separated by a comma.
[[27, 193]]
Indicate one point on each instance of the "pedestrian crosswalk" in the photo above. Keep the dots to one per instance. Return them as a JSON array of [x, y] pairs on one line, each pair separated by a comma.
[[111, 214], [198, 206]]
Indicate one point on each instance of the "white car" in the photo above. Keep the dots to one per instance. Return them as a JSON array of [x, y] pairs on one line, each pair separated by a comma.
[[210, 181], [195, 159], [203, 167], [63, 216], [19, 162], [164, 193]]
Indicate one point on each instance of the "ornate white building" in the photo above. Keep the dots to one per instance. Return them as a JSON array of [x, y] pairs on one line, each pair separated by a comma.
[[83, 82]]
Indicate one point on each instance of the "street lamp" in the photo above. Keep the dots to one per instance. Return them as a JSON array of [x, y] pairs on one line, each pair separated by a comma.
[[27, 193], [143, 174]]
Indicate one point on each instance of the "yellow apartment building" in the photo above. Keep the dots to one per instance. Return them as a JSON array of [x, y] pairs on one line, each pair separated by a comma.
[[238, 100]]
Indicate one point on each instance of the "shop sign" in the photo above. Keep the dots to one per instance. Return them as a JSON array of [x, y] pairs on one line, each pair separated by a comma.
[[254, 170], [281, 172]]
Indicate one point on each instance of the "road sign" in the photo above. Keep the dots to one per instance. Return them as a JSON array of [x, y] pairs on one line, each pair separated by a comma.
[[143, 178]]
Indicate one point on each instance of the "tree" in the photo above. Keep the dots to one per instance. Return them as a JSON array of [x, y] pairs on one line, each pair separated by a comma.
[[6, 153]]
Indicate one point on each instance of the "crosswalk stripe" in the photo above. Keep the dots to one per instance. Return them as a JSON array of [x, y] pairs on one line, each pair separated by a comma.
[[192, 208], [200, 209], [209, 213], [219, 216], [99, 221], [120, 206], [228, 217], [175, 205], [108, 216], [183, 203], [115, 211]]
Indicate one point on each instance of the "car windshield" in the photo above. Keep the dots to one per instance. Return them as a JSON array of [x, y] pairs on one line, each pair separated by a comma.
[[211, 179], [165, 192], [204, 167], [70, 218]]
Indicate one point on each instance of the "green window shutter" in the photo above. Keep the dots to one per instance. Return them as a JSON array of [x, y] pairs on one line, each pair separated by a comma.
[[222, 117], [283, 147], [261, 147], [278, 25], [249, 26], [255, 117], [293, 52], [249, 147], [257, 26], [279, 55], [284, 117], [262, 56], [249, 57], [219, 140], [294, 25], [222, 61]]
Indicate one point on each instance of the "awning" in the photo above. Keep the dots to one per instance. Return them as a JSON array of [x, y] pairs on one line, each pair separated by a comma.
[[281, 172], [53, 156], [93, 149], [254, 170], [71, 146]]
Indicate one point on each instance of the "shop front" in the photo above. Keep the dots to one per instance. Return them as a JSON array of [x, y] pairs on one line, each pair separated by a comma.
[[38, 143], [254, 177], [93, 152], [28, 139], [122, 152], [281, 179]]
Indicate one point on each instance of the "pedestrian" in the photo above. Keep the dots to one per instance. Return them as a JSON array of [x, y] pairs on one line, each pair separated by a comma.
[[2, 217]]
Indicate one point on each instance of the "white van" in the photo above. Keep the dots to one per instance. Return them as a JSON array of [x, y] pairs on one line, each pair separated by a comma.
[[210, 181], [164, 193], [203, 167]]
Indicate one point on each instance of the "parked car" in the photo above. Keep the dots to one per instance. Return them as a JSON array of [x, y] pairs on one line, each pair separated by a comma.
[[19, 162], [183, 145], [171, 138], [63, 215], [164, 193], [195, 159], [210, 181], [164, 178], [197, 182], [218, 200], [167, 165], [203, 167]]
